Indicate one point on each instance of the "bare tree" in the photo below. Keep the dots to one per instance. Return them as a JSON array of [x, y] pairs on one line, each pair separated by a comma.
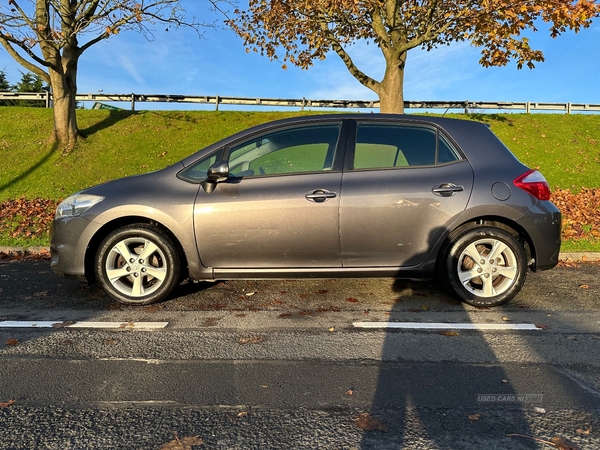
[[48, 37]]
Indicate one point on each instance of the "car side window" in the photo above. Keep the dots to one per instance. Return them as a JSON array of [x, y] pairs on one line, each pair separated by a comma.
[[295, 150], [391, 145]]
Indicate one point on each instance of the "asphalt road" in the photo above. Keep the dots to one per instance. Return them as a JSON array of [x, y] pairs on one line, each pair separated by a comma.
[[281, 364]]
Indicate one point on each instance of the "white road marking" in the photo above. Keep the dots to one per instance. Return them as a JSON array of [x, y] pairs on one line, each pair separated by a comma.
[[447, 326], [83, 324]]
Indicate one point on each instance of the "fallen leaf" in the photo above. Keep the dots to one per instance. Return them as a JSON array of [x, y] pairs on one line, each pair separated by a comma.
[[367, 422], [584, 286], [349, 392], [251, 340], [541, 326], [332, 329], [582, 431], [184, 443], [12, 342], [250, 294], [63, 324], [506, 319], [505, 381], [474, 417], [537, 409], [449, 333], [111, 342], [243, 414], [352, 300], [563, 444], [7, 404]]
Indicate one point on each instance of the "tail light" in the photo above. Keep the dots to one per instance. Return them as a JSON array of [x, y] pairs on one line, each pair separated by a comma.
[[534, 182]]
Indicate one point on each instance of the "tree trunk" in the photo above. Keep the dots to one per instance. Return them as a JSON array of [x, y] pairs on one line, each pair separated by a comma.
[[391, 88], [64, 91]]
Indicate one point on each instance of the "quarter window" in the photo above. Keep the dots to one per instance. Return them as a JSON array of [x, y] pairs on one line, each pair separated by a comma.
[[389, 145]]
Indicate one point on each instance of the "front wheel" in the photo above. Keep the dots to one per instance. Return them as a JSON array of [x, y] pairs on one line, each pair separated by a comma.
[[138, 265], [485, 266]]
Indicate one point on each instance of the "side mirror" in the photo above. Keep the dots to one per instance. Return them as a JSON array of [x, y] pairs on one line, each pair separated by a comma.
[[218, 172]]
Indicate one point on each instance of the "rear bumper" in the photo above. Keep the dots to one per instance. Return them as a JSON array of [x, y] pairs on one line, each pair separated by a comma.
[[543, 225]]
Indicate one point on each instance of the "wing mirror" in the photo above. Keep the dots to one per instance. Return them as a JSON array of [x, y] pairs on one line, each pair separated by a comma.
[[218, 172]]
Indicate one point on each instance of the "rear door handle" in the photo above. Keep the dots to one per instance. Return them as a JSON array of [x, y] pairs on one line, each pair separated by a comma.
[[320, 195], [447, 189]]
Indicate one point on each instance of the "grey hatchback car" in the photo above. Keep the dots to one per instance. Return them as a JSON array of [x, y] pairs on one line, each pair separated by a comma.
[[352, 195]]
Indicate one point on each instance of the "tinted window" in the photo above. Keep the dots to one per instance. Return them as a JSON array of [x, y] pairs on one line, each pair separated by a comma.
[[446, 153], [388, 145], [306, 149]]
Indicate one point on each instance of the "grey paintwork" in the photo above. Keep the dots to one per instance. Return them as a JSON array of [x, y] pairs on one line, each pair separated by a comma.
[[379, 223]]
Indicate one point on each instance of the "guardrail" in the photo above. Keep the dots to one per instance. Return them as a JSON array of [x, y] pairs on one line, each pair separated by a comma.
[[465, 105]]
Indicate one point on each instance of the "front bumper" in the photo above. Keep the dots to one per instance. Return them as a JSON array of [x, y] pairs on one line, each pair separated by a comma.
[[69, 241]]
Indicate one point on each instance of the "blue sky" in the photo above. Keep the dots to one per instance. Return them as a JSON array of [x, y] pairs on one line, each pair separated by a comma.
[[178, 62]]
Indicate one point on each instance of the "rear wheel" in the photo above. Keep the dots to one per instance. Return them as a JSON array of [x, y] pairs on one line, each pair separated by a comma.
[[485, 266], [138, 265]]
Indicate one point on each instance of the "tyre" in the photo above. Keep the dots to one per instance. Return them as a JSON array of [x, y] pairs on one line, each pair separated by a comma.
[[138, 265], [484, 266]]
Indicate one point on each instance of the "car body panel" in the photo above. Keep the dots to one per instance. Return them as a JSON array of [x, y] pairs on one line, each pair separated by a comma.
[[267, 222], [383, 213]]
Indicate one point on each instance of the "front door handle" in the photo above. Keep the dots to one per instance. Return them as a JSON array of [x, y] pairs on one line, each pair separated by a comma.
[[320, 195], [447, 189]]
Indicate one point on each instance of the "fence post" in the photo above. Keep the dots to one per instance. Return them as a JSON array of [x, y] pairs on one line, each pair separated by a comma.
[[466, 106], [216, 103], [527, 107], [569, 108], [132, 101]]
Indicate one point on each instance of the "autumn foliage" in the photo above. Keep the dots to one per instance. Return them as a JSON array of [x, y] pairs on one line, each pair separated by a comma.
[[300, 31], [581, 213], [23, 218]]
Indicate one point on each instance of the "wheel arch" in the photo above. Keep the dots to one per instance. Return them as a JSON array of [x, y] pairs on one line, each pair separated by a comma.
[[502, 223], [121, 222]]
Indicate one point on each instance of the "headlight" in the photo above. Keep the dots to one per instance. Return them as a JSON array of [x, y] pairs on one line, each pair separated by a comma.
[[77, 204]]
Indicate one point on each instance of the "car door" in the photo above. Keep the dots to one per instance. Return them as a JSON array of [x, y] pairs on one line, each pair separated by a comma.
[[402, 184], [279, 207]]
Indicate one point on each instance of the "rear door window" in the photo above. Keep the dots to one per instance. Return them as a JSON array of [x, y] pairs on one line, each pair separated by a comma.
[[381, 146]]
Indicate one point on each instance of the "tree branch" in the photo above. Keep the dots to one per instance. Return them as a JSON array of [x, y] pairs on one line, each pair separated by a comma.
[[28, 65]]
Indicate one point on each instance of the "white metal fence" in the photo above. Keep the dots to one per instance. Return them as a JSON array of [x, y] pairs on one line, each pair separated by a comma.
[[465, 105]]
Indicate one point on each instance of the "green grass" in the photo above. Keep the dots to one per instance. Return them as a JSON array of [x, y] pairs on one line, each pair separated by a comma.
[[565, 148], [580, 245]]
